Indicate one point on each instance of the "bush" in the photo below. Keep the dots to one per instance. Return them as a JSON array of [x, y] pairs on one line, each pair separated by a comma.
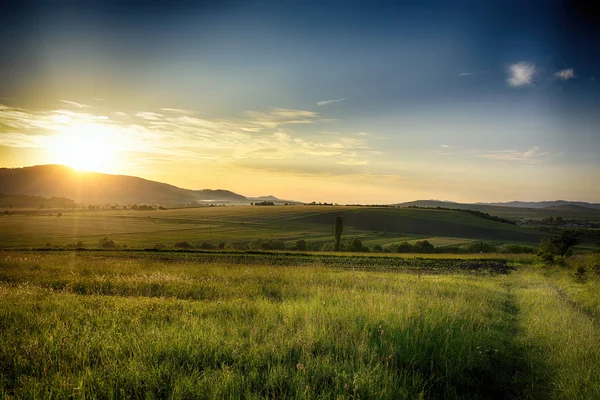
[[581, 273], [221, 246], [206, 246], [377, 248], [514, 248], [59, 214], [423, 246], [480, 247], [301, 245], [356, 245], [183, 245], [405, 247], [270, 244], [159, 246], [76, 245], [106, 243]]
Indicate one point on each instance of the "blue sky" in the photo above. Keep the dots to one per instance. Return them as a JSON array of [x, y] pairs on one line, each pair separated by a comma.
[[330, 101]]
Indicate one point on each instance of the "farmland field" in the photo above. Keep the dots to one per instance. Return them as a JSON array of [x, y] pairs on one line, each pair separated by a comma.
[[129, 324], [142, 229]]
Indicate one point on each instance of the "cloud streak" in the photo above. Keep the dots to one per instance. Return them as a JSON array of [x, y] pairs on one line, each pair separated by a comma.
[[325, 102], [529, 157], [521, 74]]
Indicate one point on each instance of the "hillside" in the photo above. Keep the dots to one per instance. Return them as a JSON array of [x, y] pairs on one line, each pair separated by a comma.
[[374, 226], [544, 204], [444, 223], [97, 188], [571, 211]]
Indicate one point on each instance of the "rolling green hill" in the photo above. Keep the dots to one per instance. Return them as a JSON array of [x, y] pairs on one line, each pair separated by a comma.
[[243, 223], [568, 211]]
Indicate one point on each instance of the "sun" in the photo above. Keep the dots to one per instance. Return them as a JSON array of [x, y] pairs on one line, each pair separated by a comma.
[[85, 147]]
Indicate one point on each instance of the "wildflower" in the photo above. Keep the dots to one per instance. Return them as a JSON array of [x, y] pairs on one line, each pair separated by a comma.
[[299, 366]]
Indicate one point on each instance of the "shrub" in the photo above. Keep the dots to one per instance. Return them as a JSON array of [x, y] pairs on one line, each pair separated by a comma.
[[423, 246], [356, 245], [106, 243], [221, 246], [301, 245], [480, 247], [270, 244], [581, 273], [405, 247], [76, 245], [514, 248], [59, 214], [377, 248], [206, 246], [183, 245]]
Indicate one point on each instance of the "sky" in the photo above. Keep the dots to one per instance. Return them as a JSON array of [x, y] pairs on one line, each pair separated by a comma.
[[348, 102]]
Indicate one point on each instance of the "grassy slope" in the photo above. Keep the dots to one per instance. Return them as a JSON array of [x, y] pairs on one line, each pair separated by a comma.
[[576, 212], [287, 332], [146, 228]]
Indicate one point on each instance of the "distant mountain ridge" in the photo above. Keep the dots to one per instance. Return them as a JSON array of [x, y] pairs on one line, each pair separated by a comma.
[[98, 188], [544, 204], [274, 199]]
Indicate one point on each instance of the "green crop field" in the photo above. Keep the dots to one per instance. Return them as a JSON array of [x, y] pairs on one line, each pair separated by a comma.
[[181, 325], [142, 229]]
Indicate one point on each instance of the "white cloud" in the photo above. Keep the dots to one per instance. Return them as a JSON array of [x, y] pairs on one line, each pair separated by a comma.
[[325, 102], [521, 74], [445, 146], [565, 74], [529, 157]]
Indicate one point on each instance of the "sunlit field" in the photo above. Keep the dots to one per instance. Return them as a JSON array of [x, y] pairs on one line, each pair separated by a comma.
[[241, 224], [101, 325]]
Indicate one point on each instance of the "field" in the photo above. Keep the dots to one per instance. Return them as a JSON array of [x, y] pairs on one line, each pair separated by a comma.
[[144, 229], [133, 324]]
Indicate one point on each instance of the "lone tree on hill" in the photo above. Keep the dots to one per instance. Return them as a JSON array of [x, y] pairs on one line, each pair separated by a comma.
[[339, 228]]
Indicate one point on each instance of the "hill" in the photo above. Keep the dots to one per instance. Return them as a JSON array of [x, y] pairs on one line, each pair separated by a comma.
[[274, 199], [97, 188], [444, 223], [572, 211], [373, 225], [544, 204]]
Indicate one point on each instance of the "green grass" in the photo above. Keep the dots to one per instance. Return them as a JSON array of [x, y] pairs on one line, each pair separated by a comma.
[[382, 226], [171, 325]]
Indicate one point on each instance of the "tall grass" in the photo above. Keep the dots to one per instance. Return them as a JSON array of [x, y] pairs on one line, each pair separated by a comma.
[[83, 326]]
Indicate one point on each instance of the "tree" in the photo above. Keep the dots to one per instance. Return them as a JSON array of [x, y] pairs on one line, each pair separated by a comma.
[[423, 246], [301, 245], [559, 244], [339, 229]]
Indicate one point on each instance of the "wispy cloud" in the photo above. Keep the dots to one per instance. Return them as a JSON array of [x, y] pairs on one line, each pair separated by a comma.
[[190, 138], [565, 74], [75, 104], [521, 74], [464, 73], [177, 110], [445, 146], [325, 102], [528, 157]]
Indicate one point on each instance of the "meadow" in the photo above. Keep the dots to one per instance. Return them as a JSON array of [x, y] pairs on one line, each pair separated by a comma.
[[99, 324], [241, 224]]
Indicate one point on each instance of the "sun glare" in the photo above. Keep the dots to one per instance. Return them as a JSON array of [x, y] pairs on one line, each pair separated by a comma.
[[85, 147]]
